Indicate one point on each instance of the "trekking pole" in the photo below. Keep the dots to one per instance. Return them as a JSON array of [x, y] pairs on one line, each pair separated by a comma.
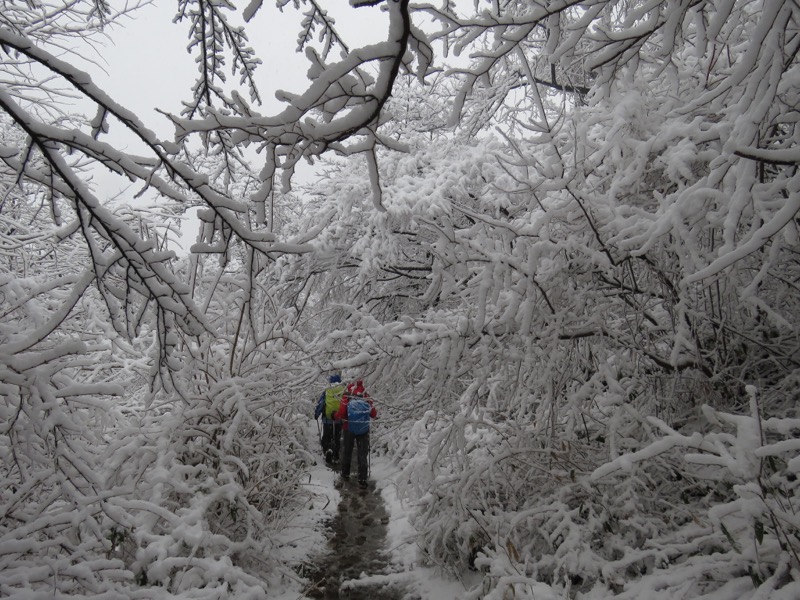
[[369, 455], [369, 451]]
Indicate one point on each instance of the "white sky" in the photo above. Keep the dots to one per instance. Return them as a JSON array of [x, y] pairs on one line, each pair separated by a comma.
[[149, 67]]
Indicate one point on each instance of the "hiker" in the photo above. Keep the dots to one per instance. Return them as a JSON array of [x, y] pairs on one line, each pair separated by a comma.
[[355, 412], [327, 406]]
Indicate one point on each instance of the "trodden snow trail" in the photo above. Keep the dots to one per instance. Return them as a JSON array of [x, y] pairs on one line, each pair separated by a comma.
[[356, 547]]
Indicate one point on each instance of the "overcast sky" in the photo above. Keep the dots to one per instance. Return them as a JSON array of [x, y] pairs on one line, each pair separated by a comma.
[[148, 65]]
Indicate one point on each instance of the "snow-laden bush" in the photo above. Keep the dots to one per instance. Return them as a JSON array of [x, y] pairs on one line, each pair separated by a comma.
[[209, 485], [704, 514], [135, 461], [110, 490], [740, 483], [52, 499]]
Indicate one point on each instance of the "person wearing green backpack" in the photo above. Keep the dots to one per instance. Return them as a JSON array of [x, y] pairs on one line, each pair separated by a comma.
[[327, 407]]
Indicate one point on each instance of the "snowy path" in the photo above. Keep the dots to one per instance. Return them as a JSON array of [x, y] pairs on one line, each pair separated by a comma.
[[356, 547], [355, 544]]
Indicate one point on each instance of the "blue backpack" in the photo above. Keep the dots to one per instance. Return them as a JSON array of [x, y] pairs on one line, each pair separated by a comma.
[[358, 410]]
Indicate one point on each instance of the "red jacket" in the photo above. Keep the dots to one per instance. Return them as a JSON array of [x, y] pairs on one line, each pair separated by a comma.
[[353, 389]]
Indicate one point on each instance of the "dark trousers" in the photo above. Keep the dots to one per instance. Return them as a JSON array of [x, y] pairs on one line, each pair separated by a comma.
[[331, 440], [361, 442]]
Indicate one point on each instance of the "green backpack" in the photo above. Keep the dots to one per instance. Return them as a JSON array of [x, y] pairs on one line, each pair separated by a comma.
[[333, 398]]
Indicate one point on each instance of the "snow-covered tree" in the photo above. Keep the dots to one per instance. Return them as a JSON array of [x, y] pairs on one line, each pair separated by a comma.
[[575, 298], [555, 303], [179, 482]]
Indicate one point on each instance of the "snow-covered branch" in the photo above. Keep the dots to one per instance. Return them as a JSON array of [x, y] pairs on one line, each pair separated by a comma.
[[340, 104]]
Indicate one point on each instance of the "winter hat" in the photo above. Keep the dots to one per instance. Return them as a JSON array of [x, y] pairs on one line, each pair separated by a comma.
[[335, 378]]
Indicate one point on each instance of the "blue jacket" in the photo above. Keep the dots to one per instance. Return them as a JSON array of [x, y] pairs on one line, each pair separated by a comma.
[[320, 410]]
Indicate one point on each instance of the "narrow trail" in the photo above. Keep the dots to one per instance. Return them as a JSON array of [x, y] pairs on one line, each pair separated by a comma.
[[356, 546]]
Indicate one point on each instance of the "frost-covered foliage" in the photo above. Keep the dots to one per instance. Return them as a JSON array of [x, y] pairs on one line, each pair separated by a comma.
[[117, 475], [151, 406], [61, 364], [576, 308], [584, 324], [215, 480]]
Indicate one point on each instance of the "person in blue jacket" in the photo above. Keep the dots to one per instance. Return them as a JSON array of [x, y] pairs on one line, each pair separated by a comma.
[[327, 406]]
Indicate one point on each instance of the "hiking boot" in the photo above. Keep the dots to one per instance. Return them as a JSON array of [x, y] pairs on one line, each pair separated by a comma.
[[345, 477], [362, 483]]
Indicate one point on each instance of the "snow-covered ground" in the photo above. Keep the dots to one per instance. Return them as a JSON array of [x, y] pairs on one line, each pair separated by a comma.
[[306, 540], [423, 582]]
